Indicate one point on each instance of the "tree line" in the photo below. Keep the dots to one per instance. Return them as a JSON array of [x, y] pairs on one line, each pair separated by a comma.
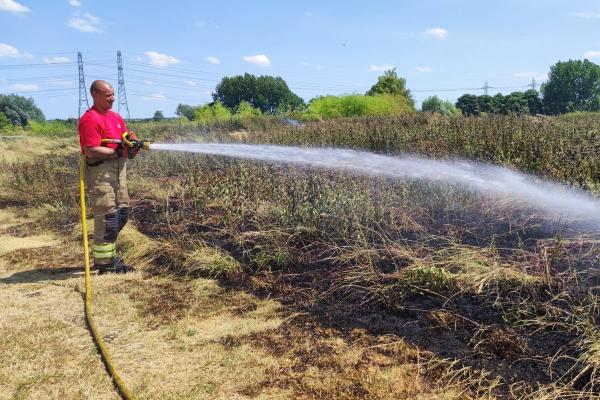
[[572, 86]]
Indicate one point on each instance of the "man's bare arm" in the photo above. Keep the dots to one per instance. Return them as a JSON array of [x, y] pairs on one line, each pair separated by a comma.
[[100, 153]]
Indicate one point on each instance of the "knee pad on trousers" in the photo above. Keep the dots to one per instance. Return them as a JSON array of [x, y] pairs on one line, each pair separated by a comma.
[[112, 226], [123, 216]]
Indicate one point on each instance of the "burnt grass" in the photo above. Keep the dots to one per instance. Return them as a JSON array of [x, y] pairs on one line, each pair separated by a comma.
[[477, 329]]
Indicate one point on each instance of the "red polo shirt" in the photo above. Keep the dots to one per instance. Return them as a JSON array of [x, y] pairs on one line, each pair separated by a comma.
[[95, 126]]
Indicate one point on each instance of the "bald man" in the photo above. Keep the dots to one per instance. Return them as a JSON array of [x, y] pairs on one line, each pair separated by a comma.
[[106, 175]]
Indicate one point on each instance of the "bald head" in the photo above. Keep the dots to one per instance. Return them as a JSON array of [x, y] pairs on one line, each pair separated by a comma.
[[98, 85], [103, 94]]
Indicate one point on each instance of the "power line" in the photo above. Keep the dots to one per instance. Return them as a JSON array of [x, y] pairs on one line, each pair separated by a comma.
[[39, 91], [48, 64]]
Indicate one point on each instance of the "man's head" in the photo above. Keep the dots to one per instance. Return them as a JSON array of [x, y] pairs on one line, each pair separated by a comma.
[[103, 95]]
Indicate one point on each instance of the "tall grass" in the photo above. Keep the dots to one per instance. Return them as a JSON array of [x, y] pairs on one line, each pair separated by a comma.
[[560, 149]]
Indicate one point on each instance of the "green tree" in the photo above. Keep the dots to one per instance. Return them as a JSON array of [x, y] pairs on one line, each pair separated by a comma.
[[468, 104], [535, 104], [434, 104], [572, 85], [516, 103], [486, 104], [267, 93], [184, 110], [391, 83], [19, 110], [158, 116], [498, 104]]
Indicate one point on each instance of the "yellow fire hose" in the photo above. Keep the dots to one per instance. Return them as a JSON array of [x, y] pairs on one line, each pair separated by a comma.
[[106, 358]]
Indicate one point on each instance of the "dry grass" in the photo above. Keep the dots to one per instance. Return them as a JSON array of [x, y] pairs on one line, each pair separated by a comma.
[[30, 148], [174, 339]]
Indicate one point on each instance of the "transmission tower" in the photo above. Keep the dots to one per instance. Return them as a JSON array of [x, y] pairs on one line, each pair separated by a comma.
[[533, 84], [83, 99], [121, 91], [486, 87]]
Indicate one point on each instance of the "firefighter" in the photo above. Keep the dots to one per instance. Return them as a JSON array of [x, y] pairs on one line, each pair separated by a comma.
[[100, 134]]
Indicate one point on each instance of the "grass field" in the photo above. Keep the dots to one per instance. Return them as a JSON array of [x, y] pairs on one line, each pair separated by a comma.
[[356, 287]]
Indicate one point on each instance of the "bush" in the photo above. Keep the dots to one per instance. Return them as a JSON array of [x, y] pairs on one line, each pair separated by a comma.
[[51, 128], [5, 124], [435, 105], [357, 105], [209, 114]]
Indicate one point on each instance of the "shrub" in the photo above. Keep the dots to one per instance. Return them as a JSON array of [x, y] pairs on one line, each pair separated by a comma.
[[356, 105], [436, 105], [209, 114]]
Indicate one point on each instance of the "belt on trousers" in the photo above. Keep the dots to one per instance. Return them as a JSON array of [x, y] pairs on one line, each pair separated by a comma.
[[93, 163]]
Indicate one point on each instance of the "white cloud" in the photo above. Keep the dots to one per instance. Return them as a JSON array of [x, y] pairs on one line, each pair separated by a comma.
[[6, 50], [156, 97], [380, 68], [424, 69], [319, 67], [88, 23], [592, 54], [208, 24], [75, 3], [439, 33], [160, 60], [24, 87], [309, 14], [191, 83], [56, 60], [147, 82], [13, 7], [213, 60], [260, 59], [586, 15]]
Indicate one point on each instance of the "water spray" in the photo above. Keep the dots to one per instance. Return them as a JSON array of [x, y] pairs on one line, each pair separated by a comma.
[[556, 199]]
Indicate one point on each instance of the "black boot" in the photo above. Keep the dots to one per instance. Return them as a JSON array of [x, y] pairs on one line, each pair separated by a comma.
[[115, 267]]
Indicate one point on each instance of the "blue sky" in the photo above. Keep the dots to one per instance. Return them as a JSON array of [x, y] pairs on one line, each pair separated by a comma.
[[176, 52]]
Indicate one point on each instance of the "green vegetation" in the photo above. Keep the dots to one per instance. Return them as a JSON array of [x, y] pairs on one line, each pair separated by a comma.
[[390, 83], [184, 110], [527, 102], [52, 128], [5, 123], [573, 85], [211, 113], [328, 107], [158, 116], [435, 105], [267, 93], [19, 110]]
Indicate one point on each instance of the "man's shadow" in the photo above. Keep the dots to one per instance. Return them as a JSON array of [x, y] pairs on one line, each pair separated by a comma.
[[44, 274]]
